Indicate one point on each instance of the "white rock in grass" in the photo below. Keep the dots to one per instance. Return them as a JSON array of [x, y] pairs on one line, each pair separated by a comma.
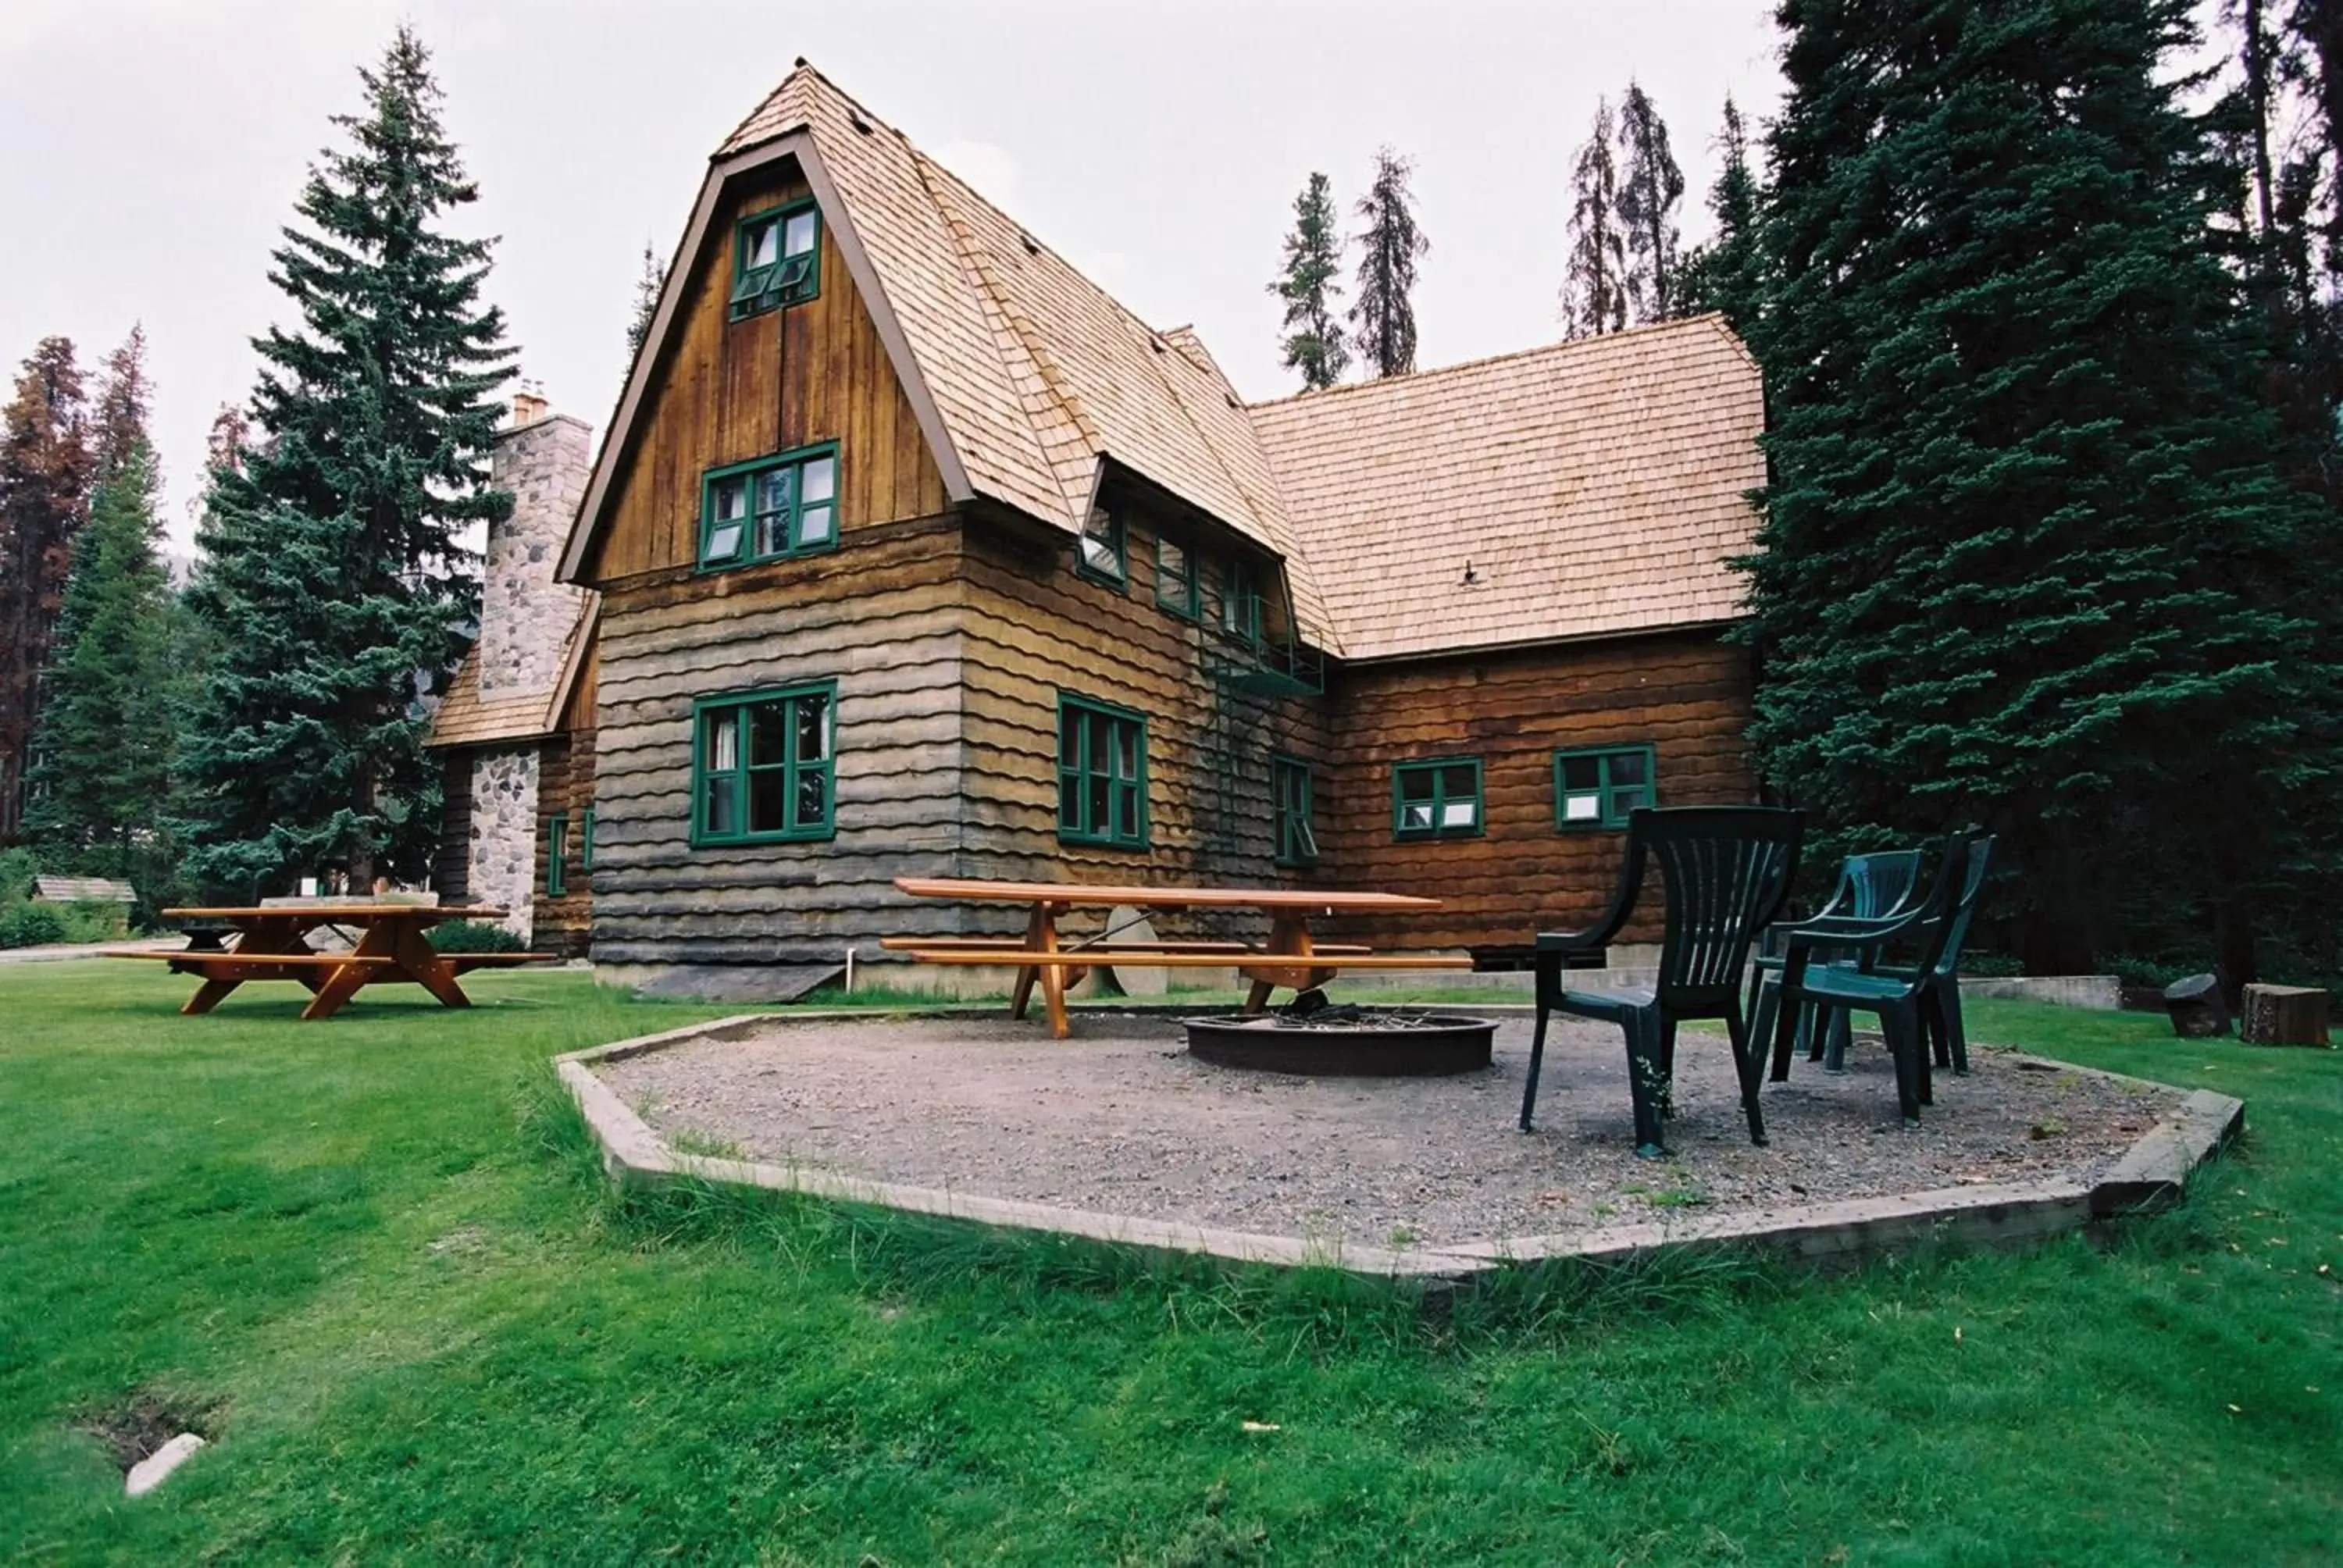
[[151, 1472]]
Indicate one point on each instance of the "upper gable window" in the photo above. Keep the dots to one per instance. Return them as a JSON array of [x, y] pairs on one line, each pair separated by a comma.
[[1103, 551], [771, 507], [776, 258], [1241, 601], [1175, 577]]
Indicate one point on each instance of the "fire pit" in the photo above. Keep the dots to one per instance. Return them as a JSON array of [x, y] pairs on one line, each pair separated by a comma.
[[1345, 1042]]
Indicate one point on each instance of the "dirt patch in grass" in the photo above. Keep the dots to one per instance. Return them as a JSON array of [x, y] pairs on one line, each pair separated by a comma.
[[145, 1422], [1122, 1120]]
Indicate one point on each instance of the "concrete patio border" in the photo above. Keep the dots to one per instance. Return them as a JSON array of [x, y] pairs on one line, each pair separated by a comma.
[[2153, 1174]]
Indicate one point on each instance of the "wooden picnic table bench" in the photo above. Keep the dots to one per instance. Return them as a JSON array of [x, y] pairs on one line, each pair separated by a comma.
[[1289, 958], [272, 944]]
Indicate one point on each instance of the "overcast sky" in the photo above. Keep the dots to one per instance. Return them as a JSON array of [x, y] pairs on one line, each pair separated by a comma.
[[155, 147]]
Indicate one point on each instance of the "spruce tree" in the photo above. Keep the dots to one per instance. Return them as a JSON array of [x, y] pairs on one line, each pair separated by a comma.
[[1313, 343], [1726, 273], [648, 285], [1594, 266], [108, 727], [45, 464], [1382, 319], [2027, 561], [335, 589], [1651, 189]]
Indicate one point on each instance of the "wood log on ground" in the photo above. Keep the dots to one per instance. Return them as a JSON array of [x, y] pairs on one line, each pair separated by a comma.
[[2196, 1008], [2284, 1015]]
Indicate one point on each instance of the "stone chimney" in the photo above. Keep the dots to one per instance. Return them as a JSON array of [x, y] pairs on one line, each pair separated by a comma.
[[525, 616]]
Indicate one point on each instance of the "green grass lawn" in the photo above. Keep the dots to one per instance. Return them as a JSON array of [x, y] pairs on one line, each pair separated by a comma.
[[375, 1257]]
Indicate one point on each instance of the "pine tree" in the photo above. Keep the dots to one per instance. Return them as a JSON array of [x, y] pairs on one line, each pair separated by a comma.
[[2027, 561], [646, 297], [1382, 319], [107, 729], [1313, 343], [45, 464], [123, 399], [335, 589], [1594, 267], [1725, 274], [1651, 189]]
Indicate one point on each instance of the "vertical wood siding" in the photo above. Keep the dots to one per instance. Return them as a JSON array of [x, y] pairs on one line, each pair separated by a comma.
[[725, 391]]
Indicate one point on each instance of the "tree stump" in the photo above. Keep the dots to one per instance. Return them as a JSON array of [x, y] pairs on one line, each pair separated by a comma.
[[2196, 1008], [2284, 1015]]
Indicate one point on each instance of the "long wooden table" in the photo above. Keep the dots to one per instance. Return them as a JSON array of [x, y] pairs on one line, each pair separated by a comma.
[[1290, 958], [272, 944]]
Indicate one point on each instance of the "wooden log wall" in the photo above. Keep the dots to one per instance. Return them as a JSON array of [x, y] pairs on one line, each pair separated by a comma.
[[1686, 693], [1036, 627], [725, 391], [881, 617]]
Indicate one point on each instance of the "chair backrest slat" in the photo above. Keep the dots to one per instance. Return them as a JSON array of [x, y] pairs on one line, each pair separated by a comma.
[[1876, 884], [1725, 871]]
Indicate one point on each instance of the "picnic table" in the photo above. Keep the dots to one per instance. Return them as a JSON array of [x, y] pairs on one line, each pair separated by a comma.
[[1290, 958], [272, 943]]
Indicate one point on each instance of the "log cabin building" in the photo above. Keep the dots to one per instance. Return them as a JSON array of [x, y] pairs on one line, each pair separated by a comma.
[[911, 551]]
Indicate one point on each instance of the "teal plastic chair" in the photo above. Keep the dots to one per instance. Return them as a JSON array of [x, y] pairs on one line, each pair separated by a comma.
[[1870, 887], [1900, 997], [1941, 1014], [1724, 871]]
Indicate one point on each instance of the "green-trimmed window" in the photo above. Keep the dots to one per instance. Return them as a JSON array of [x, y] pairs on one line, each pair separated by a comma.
[[1103, 551], [556, 852], [1438, 799], [1175, 578], [1241, 600], [762, 765], [1297, 837], [1597, 786], [776, 258], [1102, 773], [586, 840], [785, 504]]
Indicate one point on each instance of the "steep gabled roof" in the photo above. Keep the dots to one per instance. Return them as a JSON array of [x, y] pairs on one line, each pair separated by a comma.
[[1593, 487], [1582, 489]]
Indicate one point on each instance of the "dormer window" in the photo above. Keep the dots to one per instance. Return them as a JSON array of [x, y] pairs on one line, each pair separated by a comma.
[[773, 508], [1102, 551], [776, 258]]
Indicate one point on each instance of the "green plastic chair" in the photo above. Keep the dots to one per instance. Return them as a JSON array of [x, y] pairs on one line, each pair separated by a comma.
[[1870, 887], [1900, 997], [1724, 871]]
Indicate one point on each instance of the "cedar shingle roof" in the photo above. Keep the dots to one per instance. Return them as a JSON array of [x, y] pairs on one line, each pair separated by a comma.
[[463, 719], [1594, 488]]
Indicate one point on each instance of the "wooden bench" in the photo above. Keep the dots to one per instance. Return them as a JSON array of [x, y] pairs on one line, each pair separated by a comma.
[[1289, 958]]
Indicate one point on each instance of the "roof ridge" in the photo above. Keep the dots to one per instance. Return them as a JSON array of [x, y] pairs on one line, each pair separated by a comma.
[[1646, 329]]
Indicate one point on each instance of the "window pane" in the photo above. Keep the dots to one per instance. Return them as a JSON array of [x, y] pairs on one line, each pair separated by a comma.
[[813, 729], [722, 803], [1305, 841], [821, 480], [1126, 811], [1580, 773], [816, 526], [1070, 737], [1099, 818], [1070, 802], [1101, 729], [802, 229], [1581, 808], [773, 533], [1626, 767], [813, 797], [1415, 817], [769, 800], [1126, 750], [723, 740], [1623, 801], [764, 242], [723, 542], [768, 734], [1457, 780], [773, 490], [792, 273], [1459, 813], [1171, 564], [1100, 557], [1415, 784]]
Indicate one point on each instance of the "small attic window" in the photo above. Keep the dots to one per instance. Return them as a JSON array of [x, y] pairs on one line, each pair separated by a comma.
[[776, 258], [1103, 551]]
